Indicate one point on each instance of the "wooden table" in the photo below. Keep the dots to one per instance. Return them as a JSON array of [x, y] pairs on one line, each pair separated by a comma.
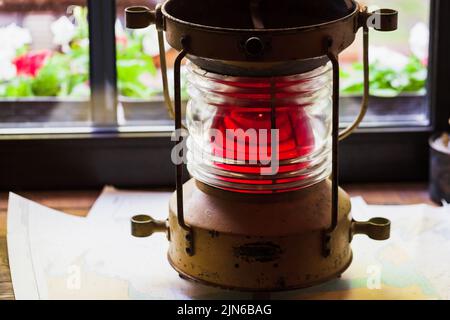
[[79, 203]]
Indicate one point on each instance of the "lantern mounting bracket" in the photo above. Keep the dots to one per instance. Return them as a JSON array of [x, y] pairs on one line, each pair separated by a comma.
[[327, 237], [189, 237]]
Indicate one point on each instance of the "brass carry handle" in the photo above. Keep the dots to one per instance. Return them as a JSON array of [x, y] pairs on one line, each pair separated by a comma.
[[385, 20], [144, 226], [365, 100], [381, 20], [376, 228], [139, 17]]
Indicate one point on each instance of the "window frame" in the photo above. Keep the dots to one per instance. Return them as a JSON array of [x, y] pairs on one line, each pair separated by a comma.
[[140, 157]]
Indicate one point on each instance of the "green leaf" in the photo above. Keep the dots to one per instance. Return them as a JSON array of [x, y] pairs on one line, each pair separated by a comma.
[[80, 14], [19, 87], [53, 79], [385, 81], [132, 65]]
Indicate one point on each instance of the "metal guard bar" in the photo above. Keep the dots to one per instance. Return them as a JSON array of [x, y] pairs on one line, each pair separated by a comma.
[[339, 136], [365, 102], [335, 153], [179, 167]]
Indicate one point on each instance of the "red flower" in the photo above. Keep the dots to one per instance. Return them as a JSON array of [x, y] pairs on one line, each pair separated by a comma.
[[122, 40], [30, 63]]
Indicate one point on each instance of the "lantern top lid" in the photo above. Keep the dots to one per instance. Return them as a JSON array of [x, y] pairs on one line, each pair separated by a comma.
[[258, 14], [261, 31]]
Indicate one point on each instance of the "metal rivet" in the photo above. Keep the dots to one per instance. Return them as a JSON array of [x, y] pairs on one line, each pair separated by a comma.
[[254, 46]]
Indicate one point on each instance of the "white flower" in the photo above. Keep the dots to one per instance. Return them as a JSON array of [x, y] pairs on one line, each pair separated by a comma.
[[419, 39], [150, 41], [7, 69], [7, 53], [81, 90], [388, 58], [63, 31], [12, 38], [151, 81], [119, 30], [18, 37]]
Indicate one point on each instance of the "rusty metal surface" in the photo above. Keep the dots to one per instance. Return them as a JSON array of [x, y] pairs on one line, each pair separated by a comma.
[[258, 14], [254, 215], [251, 242], [387, 18], [279, 44], [139, 17], [144, 226], [260, 35], [259, 69], [280, 286], [376, 228], [267, 260], [187, 233]]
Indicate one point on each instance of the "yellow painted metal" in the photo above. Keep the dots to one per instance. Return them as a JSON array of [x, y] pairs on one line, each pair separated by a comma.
[[144, 226], [260, 243]]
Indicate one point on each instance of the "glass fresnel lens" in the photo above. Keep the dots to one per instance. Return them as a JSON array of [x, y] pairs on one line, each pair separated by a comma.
[[232, 121], [263, 210]]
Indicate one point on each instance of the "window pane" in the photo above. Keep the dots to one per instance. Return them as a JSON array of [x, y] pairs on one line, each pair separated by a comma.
[[398, 66], [44, 63], [139, 84]]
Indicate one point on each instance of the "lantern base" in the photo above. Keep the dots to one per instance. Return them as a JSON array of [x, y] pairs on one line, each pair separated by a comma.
[[260, 242]]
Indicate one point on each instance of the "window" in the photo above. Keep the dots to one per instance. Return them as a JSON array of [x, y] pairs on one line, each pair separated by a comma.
[[84, 107], [45, 70], [44, 64], [398, 67], [139, 82]]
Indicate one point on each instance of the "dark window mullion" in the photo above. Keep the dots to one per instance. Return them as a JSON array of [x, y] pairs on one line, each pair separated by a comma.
[[440, 66], [102, 18]]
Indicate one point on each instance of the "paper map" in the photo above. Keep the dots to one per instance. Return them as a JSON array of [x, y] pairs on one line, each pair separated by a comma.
[[58, 256]]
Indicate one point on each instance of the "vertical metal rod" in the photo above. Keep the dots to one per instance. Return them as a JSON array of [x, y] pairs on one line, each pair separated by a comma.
[[102, 54], [365, 102], [255, 12], [273, 113], [178, 127], [162, 57], [335, 148], [273, 121]]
